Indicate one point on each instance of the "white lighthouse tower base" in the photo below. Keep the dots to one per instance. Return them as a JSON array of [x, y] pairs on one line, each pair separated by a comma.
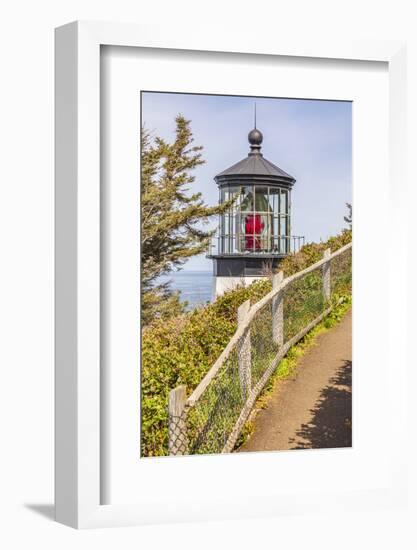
[[223, 284]]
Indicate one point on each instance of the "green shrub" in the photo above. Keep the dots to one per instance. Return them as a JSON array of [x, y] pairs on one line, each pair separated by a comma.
[[313, 252], [181, 350]]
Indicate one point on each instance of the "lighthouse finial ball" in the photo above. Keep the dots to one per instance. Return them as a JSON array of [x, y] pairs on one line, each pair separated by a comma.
[[255, 137]]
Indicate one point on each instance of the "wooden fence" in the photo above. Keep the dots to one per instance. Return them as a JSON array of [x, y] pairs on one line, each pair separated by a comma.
[[192, 431]]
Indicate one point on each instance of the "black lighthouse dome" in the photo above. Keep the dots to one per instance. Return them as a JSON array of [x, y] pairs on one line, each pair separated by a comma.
[[256, 229], [255, 167]]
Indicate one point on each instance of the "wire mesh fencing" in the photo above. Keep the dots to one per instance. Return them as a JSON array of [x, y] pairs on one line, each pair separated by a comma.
[[211, 419], [304, 300], [341, 273], [213, 416], [264, 348]]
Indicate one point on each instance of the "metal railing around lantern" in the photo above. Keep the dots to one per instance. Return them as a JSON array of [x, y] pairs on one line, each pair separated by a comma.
[[238, 245]]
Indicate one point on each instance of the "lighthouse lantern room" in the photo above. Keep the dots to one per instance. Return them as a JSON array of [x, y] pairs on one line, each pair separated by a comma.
[[254, 234]]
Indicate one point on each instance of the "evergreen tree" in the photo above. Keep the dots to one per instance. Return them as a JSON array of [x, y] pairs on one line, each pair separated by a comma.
[[348, 218], [172, 216]]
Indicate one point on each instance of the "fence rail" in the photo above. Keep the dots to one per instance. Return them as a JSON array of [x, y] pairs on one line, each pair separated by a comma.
[[211, 419]]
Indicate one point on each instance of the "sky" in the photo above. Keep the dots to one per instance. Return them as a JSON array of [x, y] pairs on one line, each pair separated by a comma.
[[309, 139]]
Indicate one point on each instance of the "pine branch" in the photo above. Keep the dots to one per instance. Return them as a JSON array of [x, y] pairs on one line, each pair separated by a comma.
[[172, 213]]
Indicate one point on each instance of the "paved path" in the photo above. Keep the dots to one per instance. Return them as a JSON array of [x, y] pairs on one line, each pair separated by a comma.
[[313, 408]]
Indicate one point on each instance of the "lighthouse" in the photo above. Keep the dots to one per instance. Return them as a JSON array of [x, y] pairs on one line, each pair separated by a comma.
[[254, 234]]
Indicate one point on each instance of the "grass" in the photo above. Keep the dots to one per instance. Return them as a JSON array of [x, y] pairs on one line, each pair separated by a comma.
[[289, 364]]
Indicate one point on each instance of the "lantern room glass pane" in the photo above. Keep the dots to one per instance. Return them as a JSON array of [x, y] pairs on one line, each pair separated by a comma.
[[244, 213], [284, 234], [263, 220], [227, 239], [274, 194], [284, 202], [246, 198], [257, 222]]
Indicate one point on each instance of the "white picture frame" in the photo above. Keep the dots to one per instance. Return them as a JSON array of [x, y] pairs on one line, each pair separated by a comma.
[[78, 410]]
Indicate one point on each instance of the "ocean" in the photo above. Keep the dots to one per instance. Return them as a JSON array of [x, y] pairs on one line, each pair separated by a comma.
[[195, 286]]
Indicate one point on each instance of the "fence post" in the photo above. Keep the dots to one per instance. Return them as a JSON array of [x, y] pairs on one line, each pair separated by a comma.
[[278, 311], [244, 351], [326, 276], [177, 426]]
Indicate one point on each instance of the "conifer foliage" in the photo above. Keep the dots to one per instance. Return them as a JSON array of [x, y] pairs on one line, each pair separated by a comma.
[[172, 215], [348, 218]]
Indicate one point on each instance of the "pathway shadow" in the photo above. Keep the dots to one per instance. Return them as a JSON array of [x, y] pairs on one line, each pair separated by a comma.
[[331, 425]]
